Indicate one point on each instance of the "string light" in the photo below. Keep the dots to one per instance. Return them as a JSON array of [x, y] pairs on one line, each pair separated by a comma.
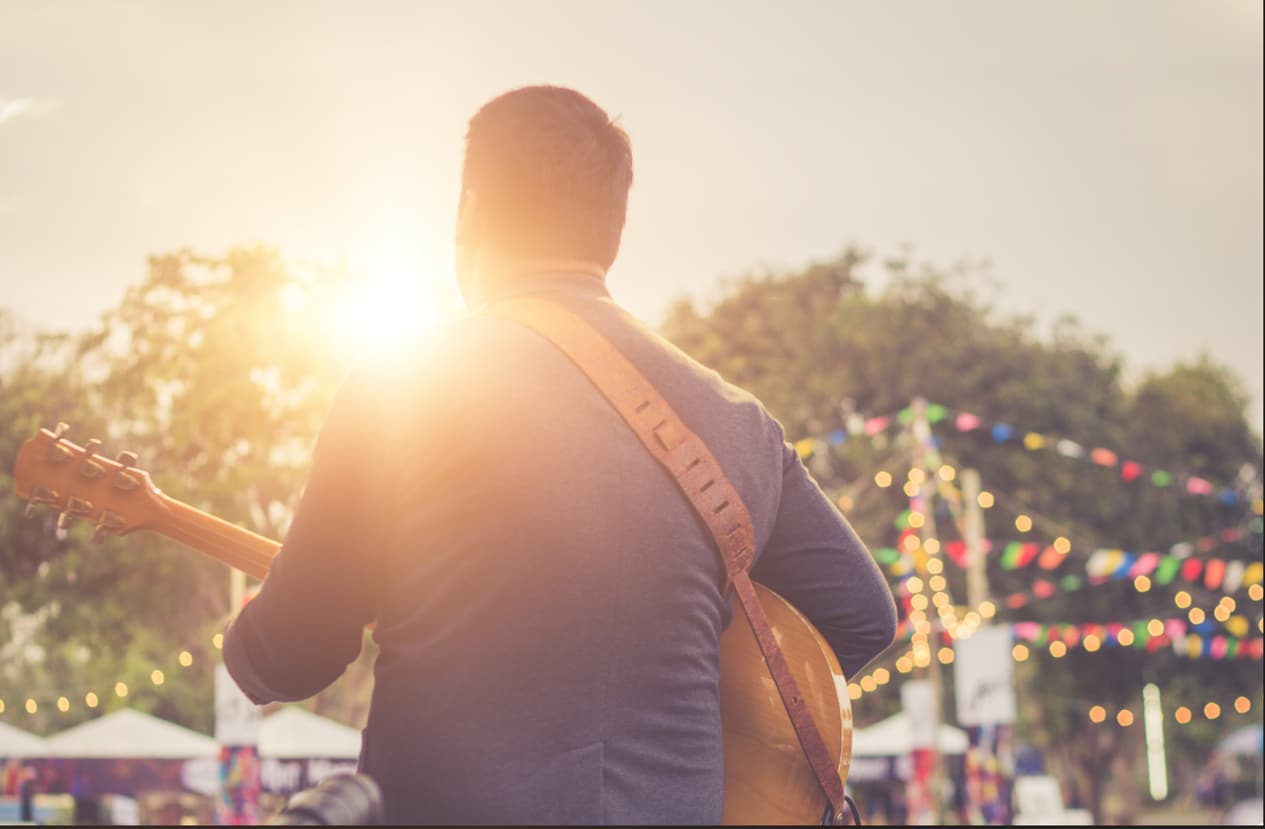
[[1242, 705], [934, 565], [1, 706], [1182, 599], [1023, 523], [156, 677], [881, 676], [916, 475], [854, 691], [947, 473], [916, 520], [1256, 592], [1125, 718], [120, 689], [90, 700], [1182, 715], [914, 585], [31, 706], [1097, 714], [946, 656], [1125, 637], [218, 641], [1019, 652], [1057, 649], [1212, 710], [1091, 642], [911, 488], [186, 659], [1155, 627], [882, 479], [937, 583], [932, 546], [985, 500], [1196, 616], [1142, 584], [1062, 545], [63, 704], [987, 609]]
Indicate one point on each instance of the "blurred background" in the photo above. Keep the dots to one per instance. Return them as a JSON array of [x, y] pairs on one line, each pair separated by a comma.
[[997, 268]]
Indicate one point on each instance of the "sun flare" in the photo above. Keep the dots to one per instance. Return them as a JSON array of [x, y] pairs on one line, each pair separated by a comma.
[[394, 295]]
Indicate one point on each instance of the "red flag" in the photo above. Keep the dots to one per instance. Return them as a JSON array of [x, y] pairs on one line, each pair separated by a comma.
[[1027, 552], [1214, 572], [1103, 457], [1049, 559], [1191, 568]]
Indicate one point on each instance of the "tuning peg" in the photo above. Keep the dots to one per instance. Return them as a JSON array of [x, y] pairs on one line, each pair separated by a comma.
[[29, 512], [78, 506], [127, 458], [64, 520], [90, 448], [109, 522], [60, 431]]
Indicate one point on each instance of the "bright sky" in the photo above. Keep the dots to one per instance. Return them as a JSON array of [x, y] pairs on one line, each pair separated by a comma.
[[1106, 157]]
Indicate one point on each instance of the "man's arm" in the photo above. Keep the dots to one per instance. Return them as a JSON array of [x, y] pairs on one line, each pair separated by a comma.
[[816, 561], [306, 625]]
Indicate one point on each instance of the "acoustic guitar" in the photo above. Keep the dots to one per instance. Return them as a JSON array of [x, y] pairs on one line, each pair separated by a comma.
[[767, 778]]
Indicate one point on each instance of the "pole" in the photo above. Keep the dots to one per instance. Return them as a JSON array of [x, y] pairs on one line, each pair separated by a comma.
[[922, 438], [973, 526]]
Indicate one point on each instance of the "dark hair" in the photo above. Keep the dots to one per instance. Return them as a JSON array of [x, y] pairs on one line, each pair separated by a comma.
[[551, 172]]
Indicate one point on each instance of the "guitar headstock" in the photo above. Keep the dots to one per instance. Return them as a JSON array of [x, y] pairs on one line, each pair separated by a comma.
[[114, 494]]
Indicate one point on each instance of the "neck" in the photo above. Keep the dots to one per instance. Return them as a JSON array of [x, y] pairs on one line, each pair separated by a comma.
[[495, 277]]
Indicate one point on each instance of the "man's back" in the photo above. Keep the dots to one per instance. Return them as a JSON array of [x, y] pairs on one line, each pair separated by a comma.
[[548, 606]]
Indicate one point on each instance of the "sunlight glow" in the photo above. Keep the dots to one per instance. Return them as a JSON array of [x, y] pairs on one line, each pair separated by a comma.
[[391, 302]]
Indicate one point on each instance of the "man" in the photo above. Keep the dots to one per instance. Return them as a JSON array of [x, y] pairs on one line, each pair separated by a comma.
[[547, 605]]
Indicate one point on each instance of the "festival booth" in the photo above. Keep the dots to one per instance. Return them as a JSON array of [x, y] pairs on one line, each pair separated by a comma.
[[298, 749], [130, 767], [881, 763]]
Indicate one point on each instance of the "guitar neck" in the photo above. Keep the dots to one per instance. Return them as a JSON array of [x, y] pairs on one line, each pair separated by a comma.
[[222, 541]]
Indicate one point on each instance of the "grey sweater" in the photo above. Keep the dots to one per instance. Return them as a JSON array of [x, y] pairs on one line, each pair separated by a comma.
[[547, 605]]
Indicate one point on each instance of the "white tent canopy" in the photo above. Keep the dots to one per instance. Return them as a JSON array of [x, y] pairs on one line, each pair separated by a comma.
[[893, 737], [129, 733], [293, 733], [14, 742]]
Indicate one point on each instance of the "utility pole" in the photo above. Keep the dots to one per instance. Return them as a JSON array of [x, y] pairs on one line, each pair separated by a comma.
[[921, 431], [973, 536]]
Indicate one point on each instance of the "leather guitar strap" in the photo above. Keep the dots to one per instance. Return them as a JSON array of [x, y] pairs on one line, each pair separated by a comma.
[[699, 476]]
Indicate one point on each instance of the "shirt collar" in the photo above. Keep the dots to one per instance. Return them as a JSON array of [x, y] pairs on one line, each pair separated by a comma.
[[563, 281]]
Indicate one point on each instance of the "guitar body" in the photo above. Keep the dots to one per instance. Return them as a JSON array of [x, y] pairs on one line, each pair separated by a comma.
[[767, 777]]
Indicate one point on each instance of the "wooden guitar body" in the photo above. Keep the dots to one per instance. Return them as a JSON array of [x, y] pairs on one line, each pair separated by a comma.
[[767, 777], [768, 780]]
